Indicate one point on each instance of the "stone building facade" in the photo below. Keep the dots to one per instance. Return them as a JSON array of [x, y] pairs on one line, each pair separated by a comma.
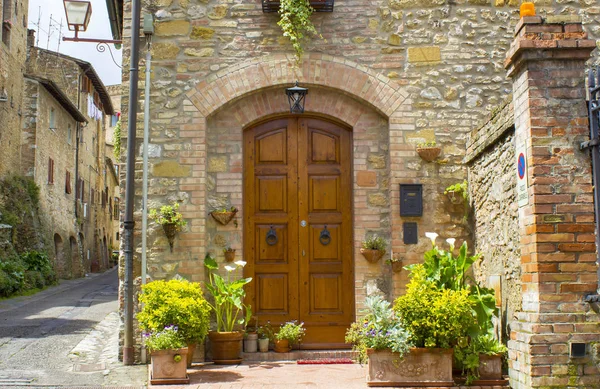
[[387, 76], [12, 66], [115, 92]]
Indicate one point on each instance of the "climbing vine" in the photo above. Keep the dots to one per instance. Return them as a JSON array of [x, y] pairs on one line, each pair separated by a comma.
[[295, 23], [117, 141]]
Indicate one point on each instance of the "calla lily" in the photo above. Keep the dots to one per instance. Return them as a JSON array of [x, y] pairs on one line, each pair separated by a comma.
[[229, 268], [433, 236], [240, 263], [451, 243]]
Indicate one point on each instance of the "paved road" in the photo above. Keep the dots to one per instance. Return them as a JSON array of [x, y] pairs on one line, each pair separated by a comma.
[[65, 336]]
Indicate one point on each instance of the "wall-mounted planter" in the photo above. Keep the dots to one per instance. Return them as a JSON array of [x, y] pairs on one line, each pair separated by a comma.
[[171, 230], [429, 154], [372, 255], [229, 255], [223, 217], [269, 6], [396, 266]]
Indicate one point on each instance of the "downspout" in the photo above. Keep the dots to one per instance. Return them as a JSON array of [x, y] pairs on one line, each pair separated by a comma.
[[77, 137], [145, 173]]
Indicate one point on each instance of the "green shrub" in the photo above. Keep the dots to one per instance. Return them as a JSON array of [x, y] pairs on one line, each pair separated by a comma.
[[434, 317], [15, 271], [168, 339], [7, 284], [175, 302], [34, 279], [292, 332]]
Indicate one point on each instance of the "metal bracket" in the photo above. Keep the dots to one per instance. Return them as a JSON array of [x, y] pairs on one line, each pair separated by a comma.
[[589, 143]]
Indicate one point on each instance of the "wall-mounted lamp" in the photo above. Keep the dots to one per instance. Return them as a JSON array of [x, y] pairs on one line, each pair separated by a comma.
[[79, 13], [296, 96]]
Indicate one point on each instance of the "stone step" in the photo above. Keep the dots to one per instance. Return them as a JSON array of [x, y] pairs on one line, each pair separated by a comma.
[[295, 355]]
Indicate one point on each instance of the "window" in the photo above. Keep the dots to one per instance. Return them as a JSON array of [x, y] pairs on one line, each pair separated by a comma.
[[116, 211], [68, 182], [80, 190], [6, 22], [52, 119], [113, 120], [50, 171], [69, 134]]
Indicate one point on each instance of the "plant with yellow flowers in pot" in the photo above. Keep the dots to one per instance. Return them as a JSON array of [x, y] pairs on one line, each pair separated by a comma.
[[175, 303], [231, 313]]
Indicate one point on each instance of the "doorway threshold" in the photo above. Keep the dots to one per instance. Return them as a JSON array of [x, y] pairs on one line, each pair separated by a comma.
[[295, 355]]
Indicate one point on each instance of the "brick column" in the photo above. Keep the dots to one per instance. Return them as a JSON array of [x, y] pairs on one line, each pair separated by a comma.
[[546, 62]]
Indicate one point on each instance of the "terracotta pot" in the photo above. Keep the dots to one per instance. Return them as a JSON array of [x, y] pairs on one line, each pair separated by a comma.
[[226, 347], [429, 154], [282, 346], [420, 367], [229, 255], [372, 255], [223, 217], [251, 343], [490, 367], [397, 266], [263, 345], [165, 367], [190, 355], [171, 229]]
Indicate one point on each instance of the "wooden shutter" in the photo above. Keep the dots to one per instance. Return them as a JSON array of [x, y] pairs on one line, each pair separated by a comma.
[[50, 171], [68, 182]]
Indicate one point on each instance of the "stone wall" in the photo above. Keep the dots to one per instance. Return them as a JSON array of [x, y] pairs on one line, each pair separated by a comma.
[[493, 204], [11, 83]]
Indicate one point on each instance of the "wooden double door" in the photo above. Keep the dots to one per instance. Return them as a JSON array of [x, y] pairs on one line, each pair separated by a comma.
[[298, 226]]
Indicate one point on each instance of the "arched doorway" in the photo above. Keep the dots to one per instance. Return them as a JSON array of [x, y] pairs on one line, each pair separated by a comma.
[[59, 258], [298, 226]]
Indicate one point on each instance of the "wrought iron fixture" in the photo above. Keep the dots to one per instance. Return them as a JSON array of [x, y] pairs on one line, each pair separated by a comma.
[[269, 6], [78, 14], [296, 96]]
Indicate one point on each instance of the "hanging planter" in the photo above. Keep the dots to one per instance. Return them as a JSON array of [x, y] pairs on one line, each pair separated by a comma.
[[229, 254], [224, 216], [171, 220], [269, 6], [373, 248], [428, 151], [396, 264]]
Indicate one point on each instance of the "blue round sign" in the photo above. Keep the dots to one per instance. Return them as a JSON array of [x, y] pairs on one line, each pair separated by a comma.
[[521, 166]]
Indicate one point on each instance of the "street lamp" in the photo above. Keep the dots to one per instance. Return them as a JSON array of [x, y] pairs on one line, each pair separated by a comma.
[[296, 95], [79, 13]]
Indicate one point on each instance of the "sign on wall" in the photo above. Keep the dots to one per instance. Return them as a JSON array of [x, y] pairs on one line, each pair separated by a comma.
[[521, 154]]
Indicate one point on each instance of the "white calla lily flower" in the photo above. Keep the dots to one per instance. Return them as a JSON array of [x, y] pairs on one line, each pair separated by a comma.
[[240, 263], [451, 243], [229, 268], [433, 236]]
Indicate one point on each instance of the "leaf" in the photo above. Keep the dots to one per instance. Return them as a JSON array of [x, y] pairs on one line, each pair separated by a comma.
[[210, 262]]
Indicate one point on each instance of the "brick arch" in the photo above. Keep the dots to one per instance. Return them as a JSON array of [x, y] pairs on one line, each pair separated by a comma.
[[383, 94]]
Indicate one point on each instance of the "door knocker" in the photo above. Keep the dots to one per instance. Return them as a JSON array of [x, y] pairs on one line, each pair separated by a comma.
[[271, 237], [325, 237]]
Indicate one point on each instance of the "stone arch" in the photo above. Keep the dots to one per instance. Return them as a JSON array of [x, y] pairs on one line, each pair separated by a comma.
[[59, 256], [75, 267], [382, 93]]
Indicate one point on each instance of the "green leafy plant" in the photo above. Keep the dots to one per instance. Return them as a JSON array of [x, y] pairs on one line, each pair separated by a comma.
[[228, 296], [266, 332], [117, 141], [374, 242], [175, 302], [434, 317], [169, 338], [225, 210], [426, 144], [168, 214], [380, 329], [294, 20], [292, 331], [228, 250], [460, 189], [467, 354]]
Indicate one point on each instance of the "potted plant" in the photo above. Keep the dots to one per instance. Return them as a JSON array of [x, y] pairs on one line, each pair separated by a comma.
[[229, 254], [294, 20], [458, 193], [481, 360], [228, 305], [289, 334], [251, 337], [396, 262], [175, 302], [373, 248], [428, 151], [266, 335], [167, 356], [224, 215], [170, 219]]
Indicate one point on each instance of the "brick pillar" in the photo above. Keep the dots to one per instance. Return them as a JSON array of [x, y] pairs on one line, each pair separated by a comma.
[[546, 62]]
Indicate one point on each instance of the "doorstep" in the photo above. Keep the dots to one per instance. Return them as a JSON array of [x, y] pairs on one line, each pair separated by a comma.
[[295, 355]]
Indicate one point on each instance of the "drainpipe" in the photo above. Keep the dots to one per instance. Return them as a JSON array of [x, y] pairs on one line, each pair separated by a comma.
[[145, 155], [77, 130], [128, 221]]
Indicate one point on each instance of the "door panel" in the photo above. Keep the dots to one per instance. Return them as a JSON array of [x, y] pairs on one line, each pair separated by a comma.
[[298, 169]]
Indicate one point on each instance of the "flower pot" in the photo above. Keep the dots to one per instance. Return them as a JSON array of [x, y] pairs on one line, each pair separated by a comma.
[[226, 347], [190, 354], [251, 343], [282, 346], [490, 367], [171, 230], [372, 255], [397, 266], [429, 154], [229, 255], [263, 345], [223, 217], [168, 367], [420, 367]]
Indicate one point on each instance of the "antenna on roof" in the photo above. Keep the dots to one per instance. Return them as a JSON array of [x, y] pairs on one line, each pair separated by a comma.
[[37, 38]]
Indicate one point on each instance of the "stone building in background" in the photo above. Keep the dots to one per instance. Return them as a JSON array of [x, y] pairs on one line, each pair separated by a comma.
[[114, 92], [386, 77], [52, 113]]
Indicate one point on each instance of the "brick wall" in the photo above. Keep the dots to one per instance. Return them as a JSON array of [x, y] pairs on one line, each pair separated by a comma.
[[546, 62]]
